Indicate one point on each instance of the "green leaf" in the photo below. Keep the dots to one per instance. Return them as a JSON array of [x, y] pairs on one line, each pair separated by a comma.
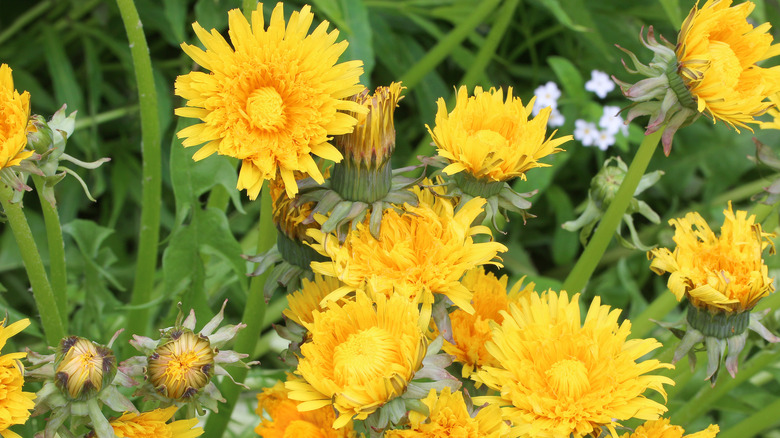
[[565, 243], [183, 259], [555, 8], [89, 238]]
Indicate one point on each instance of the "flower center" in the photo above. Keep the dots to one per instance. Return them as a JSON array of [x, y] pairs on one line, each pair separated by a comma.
[[265, 109], [491, 140], [363, 356], [568, 378], [725, 68]]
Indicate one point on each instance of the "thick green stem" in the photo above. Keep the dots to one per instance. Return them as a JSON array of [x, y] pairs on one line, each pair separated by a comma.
[[52, 321], [57, 269], [583, 269], [708, 396], [756, 423], [254, 314], [149, 234]]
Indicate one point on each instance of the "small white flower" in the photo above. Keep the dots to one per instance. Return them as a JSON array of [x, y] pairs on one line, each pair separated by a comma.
[[604, 139], [546, 95], [612, 122], [599, 83], [585, 132], [556, 119]]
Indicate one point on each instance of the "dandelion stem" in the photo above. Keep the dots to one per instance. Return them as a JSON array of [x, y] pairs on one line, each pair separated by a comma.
[[707, 395], [149, 233], [586, 264], [57, 266], [254, 314], [52, 321]]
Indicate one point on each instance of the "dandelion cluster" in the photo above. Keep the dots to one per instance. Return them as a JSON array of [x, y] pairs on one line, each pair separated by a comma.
[[392, 303]]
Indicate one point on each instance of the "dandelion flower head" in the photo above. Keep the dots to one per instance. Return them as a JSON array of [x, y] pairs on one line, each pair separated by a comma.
[[723, 273], [491, 138], [286, 421], [361, 355], [15, 404], [717, 54], [449, 417], [560, 377], [273, 99], [14, 117]]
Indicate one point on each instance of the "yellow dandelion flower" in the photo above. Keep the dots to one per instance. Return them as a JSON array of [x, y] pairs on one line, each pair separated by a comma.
[[272, 99], [717, 53], [662, 429], [154, 424], [559, 377], [472, 331], [421, 251], [723, 273], [181, 367], [286, 421], [14, 117], [449, 417], [83, 368], [303, 303], [492, 139], [15, 404], [361, 355]]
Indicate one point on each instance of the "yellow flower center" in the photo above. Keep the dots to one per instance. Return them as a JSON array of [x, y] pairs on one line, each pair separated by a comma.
[[568, 378], [265, 109], [363, 355], [491, 140], [725, 67], [181, 367]]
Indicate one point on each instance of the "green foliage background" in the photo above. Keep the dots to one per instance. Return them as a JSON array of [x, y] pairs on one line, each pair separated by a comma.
[[77, 52]]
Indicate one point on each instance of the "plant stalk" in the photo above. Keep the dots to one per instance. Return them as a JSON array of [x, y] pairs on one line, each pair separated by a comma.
[[57, 265], [254, 314], [586, 264], [45, 301], [149, 234]]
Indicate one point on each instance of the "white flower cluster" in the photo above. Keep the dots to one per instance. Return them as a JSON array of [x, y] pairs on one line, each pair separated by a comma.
[[610, 123], [548, 95]]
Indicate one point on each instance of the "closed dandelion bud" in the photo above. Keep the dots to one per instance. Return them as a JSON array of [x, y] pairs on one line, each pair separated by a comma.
[[83, 368], [603, 189], [39, 135], [182, 365], [605, 185]]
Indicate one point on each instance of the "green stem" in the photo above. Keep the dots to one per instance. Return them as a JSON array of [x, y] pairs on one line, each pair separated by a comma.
[[149, 234], [583, 269], [447, 44], [97, 119], [53, 325], [707, 395], [57, 267], [254, 315], [756, 423]]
